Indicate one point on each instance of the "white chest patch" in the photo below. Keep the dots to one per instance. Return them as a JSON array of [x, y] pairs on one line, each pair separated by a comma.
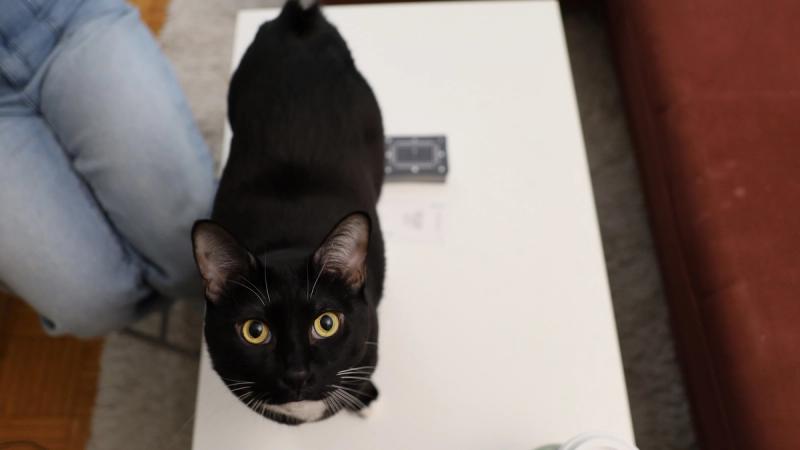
[[307, 410]]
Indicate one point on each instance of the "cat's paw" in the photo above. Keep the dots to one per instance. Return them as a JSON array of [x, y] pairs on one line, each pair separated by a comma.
[[369, 411]]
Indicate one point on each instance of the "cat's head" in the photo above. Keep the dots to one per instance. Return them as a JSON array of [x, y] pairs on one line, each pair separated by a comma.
[[291, 332]]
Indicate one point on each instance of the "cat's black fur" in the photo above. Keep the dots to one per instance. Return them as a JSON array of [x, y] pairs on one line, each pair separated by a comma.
[[299, 192]]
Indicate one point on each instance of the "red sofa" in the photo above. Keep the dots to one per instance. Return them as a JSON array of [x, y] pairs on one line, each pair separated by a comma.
[[713, 95]]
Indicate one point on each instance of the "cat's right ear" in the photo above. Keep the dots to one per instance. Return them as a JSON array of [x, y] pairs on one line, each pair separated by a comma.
[[219, 257]]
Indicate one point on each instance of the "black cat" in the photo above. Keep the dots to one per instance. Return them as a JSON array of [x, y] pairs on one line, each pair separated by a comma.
[[293, 259]]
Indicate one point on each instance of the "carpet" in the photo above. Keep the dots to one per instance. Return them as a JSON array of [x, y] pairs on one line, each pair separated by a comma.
[[146, 393], [659, 407]]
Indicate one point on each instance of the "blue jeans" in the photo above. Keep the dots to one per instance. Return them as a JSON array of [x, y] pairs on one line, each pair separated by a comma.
[[102, 169]]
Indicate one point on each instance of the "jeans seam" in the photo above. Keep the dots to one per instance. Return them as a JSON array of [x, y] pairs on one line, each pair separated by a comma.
[[13, 53]]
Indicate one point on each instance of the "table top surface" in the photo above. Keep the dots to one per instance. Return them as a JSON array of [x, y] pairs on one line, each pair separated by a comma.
[[517, 347]]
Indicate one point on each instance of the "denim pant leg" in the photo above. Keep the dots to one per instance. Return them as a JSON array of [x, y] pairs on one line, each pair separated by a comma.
[[57, 250], [114, 104]]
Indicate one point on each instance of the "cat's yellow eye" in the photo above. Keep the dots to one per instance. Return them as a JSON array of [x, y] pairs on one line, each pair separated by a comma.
[[256, 332], [325, 326]]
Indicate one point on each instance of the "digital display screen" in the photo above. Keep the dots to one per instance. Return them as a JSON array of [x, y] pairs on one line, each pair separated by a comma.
[[413, 153], [416, 158]]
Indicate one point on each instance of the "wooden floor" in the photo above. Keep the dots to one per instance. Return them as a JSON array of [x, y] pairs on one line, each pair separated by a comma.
[[48, 385], [154, 12]]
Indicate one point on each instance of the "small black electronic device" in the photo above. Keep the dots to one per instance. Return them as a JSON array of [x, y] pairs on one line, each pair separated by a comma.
[[416, 158]]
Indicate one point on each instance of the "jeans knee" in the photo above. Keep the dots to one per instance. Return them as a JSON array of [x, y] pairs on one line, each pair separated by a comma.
[[93, 308], [97, 318], [94, 322]]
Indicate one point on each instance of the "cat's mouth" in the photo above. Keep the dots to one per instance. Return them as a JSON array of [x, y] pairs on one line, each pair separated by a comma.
[[297, 395]]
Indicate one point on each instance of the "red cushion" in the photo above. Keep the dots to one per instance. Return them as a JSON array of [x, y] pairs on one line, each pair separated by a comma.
[[713, 93]]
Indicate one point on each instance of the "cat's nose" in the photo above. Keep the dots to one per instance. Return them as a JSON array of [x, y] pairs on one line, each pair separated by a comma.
[[296, 378]]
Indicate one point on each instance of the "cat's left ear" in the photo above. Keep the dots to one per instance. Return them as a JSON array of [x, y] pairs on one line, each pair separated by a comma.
[[219, 257], [344, 252]]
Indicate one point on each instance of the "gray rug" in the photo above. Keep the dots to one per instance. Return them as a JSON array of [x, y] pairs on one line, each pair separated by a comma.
[[661, 416], [146, 393]]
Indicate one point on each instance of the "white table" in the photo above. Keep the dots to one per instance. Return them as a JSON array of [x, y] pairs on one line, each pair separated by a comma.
[[519, 348]]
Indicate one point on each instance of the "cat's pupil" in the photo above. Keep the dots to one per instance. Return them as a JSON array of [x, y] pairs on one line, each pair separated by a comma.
[[256, 328], [326, 322]]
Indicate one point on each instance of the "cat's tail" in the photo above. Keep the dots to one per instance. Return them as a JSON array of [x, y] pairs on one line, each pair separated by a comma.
[[300, 14], [307, 4]]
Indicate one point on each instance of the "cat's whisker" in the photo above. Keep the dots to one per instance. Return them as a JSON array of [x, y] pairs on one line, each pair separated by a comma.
[[371, 343], [340, 405], [249, 283], [342, 399], [351, 372], [352, 397], [349, 389], [355, 378], [336, 405], [266, 286], [335, 392], [260, 403], [356, 374], [253, 401], [345, 401], [317, 280], [251, 290], [328, 404], [308, 295], [354, 369], [333, 407], [334, 401], [352, 400], [360, 367], [240, 388], [232, 379], [254, 287]]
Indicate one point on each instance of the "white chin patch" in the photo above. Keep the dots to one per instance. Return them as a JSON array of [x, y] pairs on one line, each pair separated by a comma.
[[307, 410]]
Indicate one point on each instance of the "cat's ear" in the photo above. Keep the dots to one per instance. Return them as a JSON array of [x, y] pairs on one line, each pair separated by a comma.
[[218, 256], [344, 251]]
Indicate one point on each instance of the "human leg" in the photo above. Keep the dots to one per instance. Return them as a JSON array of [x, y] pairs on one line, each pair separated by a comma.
[[115, 106], [57, 250]]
